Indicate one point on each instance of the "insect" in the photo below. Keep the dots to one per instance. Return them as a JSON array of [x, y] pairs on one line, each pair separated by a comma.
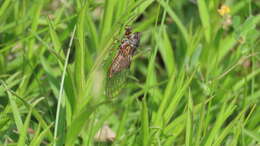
[[118, 69]]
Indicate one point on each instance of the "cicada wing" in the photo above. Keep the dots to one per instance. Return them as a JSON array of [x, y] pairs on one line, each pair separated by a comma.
[[109, 58], [117, 74], [115, 84]]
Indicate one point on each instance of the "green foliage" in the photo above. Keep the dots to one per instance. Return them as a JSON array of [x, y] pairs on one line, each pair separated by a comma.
[[194, 80]]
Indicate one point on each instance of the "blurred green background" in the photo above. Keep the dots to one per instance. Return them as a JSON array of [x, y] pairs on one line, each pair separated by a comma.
[[194, 79]]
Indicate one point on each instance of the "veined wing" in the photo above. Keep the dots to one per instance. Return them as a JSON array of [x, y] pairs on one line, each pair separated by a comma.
[[115, 84]]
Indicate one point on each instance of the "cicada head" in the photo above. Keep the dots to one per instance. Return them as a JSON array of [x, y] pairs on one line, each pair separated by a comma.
[[128, 31]]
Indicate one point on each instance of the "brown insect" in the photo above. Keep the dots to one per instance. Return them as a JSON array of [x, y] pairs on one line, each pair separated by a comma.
[[126, 51]]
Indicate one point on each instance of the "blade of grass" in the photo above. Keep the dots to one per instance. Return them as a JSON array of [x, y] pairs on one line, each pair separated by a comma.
[[225, 112], [34, 112], [107, 19], [59, 131], [166, 51], [34, 26], [54, 36], [78, 123], [79, 69], [252, 134], [23, 133], [189, 121], [4, 6], [39, 138], [177, 97], [165, 101], [235, 123], [145, 124], [204, 17], [176, 19], [15, 110]]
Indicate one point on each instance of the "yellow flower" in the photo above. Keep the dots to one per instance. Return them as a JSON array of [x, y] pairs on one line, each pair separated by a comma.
[[224, 10]]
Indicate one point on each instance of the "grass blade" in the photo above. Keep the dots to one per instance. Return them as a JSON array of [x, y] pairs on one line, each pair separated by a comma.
[[23, 133]]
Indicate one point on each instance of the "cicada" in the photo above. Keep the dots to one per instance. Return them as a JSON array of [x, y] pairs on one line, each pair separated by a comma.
[[119, 68]]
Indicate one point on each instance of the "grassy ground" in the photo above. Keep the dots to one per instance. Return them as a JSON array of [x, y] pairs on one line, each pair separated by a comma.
[[195, 79]]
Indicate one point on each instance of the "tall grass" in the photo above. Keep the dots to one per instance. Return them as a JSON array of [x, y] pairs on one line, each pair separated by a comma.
[[194, 79]]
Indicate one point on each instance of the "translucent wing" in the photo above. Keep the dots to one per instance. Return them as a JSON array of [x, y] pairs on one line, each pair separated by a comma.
[[115, 84]]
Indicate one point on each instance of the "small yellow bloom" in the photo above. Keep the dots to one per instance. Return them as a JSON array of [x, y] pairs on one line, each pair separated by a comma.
[[224, 10]]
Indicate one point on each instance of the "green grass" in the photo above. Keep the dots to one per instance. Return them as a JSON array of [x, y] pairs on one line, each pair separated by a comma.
[[195, 79]]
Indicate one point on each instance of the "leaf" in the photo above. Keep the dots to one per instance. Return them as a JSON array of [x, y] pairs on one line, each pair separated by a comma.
[[23, 132]]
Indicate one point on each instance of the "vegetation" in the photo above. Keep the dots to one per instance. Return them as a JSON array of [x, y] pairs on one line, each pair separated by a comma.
[[194, 80]]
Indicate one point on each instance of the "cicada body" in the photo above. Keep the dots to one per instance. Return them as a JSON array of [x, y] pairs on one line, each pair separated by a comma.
[[119, 68]]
